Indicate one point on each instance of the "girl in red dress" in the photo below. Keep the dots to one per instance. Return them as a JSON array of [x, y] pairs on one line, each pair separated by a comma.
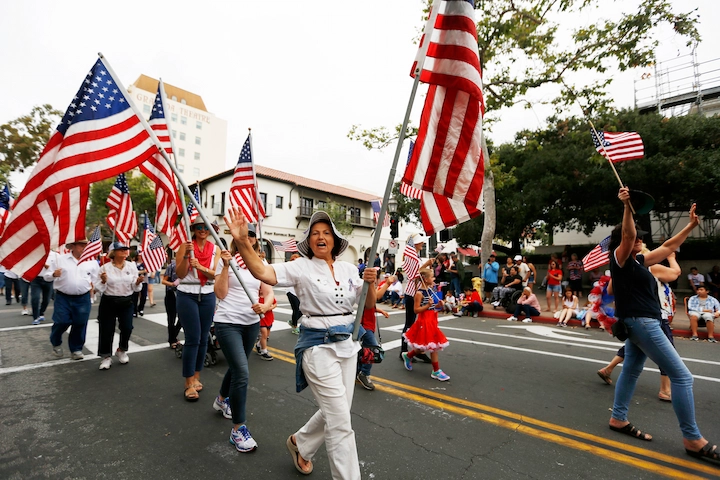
[[425, 336]]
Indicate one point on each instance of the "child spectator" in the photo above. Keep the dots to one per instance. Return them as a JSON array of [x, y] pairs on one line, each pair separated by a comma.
[[696, 279], [450, 303], [471, 304], [703, 307]]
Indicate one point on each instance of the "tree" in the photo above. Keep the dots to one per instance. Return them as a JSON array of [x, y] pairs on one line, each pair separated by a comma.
[[522, 50], [338, 214], [23, 139]]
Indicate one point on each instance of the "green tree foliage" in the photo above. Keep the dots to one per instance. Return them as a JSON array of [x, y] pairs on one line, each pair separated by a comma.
[[142, 193], [23, 139], [338, 214]]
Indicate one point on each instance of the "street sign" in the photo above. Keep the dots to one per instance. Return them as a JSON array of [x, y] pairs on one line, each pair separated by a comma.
[[393, 246]]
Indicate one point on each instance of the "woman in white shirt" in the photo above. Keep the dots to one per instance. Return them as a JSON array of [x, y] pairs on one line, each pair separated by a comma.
[[118, 280], [237, 325], [326, 353]]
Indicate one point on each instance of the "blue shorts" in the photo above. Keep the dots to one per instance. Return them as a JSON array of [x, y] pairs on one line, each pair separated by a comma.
[[554, 288]]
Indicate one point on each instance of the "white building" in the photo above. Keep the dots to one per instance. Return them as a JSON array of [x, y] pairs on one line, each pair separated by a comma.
[[289, 201], [200, 137]]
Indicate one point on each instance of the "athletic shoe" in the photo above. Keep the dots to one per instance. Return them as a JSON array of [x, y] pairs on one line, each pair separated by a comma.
[[266, 356], [37, 321], [559, 324], [407, 362], [475, 315], [223, 406], [122, 356], [77, 355], [712, 340], [495, 304], [564, 325], [25, 311], [295, 331], [527, 320], [694, 338], [440, 375], [258, 350], [57, 351], [458, 314], [141, 313], [106, 363], [365, 381], [242, 440], [512, 319]]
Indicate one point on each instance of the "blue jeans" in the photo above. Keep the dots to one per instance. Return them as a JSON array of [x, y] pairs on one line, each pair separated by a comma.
[[195, 313], [39, 287], [528, 310], [646, 339], [70, 311], [367, 339], [236, 342], [455, 283]]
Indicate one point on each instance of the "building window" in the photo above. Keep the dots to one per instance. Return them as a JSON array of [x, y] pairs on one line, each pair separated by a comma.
[[182, 100], [198, 125], [173, 117], [196, 172], [263, 200], [354, 215], [182, 135], [174, 98], [181, 152], [197, 141], [183, 120], [181, 167], [306, 207], [278, 202], [212, 201], [146, 108], [222, 201], [174, 134], [197, 155], [322, 205]]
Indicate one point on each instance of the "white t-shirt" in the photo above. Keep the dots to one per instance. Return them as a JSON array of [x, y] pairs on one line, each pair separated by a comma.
[[191, 283], [523, 270], [236, 307], [696, 279]]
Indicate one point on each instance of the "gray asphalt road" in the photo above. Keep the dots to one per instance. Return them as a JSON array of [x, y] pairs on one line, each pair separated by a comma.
[[523, 402]]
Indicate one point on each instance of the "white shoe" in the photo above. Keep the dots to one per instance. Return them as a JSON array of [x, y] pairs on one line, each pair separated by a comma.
[[25, 311], [77, 355], [122, 356], [106, 363], [512, 319], [495, 304], [527, 320]]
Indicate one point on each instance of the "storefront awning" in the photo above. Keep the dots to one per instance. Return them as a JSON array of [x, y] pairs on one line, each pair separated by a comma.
[[468, 252]]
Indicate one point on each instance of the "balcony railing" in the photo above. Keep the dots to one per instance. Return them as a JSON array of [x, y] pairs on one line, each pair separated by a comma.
[[306, 212]]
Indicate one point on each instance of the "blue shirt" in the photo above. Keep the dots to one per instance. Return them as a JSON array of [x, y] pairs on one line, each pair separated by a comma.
[[711, 303], [490, 272]]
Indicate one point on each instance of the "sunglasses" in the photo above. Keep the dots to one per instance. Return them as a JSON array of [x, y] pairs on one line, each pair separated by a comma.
[[202, 227]]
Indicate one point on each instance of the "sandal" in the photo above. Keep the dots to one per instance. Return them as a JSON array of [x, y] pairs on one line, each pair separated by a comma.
[[189, 396], [198, 387], [630, 429], [606, 378], [664, 397], [708, 453], [174, 345], [295, 453]]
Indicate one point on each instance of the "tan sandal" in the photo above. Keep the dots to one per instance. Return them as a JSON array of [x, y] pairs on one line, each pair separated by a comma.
[[198, 387], [295, 454], [189, 396]]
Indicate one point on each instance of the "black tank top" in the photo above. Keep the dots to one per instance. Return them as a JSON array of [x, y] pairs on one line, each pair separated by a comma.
[[635, 288]]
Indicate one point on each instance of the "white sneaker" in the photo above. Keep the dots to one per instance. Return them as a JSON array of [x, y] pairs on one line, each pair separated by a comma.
[[106, 363], [122, 356], [77, 355], [527, 320], [512, 319], [496, 304], [25, 311]]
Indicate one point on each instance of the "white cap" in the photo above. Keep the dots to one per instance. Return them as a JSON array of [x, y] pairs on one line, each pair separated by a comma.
[[517, 257], [417, 238]]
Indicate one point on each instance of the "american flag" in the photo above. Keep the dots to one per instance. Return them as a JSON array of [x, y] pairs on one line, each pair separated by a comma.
[[411, 266], [156, 169], [598, 256], [72, 206], [243, 190], [286, 245], [447, 158], [121, 216], [240, 262], [153, 251], [93, 248], [179, 234], [5, 204], [405, 189], [376, 206], [99, 137], [618, 146]]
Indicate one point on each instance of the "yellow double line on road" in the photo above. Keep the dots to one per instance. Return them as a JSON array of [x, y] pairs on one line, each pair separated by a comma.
[[550, 432]]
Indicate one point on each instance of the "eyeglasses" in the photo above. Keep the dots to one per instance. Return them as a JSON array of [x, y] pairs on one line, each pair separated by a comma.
[[202, 227]]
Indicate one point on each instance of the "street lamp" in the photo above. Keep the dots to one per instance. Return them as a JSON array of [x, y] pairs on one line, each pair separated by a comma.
[[392, 208], [392, 205]]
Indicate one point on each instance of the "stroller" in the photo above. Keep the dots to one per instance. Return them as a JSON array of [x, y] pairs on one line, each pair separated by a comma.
[[212, 348]]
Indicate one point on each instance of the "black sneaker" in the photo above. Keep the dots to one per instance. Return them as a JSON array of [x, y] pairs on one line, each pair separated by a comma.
[[257, 349], [265, 356], [365, 381]]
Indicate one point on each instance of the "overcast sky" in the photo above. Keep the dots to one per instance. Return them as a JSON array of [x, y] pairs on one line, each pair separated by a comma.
[[300, 74]]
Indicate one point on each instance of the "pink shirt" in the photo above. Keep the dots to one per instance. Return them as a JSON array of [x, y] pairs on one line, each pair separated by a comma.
[[531, 300]]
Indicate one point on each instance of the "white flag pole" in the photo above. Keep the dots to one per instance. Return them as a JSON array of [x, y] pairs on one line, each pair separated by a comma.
[[151, 133], [393, 169], [257, 190]]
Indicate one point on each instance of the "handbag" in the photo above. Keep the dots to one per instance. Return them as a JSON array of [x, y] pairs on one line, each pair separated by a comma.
[[619, 330]]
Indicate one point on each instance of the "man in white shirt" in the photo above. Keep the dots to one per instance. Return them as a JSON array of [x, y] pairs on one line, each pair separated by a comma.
[[523, 269], [73, 283]]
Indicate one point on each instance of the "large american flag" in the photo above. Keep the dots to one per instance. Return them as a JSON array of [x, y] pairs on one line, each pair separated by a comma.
[[286, 245], [243, 190], [99, 137], [72, 207], [153, 251], [405, 189], [167, 201], [447, 158], [618, 146], [121, 216], [376, 206], [178, 235], [411, 266], [598, 256], [5, 205], [93, 248]]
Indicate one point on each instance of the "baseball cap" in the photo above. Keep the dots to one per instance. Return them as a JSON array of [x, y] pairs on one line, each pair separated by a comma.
[[517, 257]]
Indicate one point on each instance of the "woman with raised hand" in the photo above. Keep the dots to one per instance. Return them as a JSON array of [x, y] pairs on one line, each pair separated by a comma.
[[326, 353], [196, 264], [638, 308]]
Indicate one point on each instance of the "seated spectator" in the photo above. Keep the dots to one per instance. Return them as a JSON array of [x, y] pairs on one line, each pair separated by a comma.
[[471, 304], [511, 283], [712, 281], [569, 308], [527, 304], [396, 291], [706, 308], [450, 305], [696, 279]]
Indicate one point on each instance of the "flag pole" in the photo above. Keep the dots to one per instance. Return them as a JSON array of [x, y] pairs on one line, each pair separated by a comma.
[[393, 169], [186, 189], [257, 190]]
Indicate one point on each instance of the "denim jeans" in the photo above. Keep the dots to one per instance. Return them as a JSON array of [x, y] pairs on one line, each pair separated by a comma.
[[236, 342], [646, 339], [394, 298], [366, 340], [195, 313], [11, 283], [70, 311], [39, 287], [473, 307], [110, 310], [528, 310], [455, 283]]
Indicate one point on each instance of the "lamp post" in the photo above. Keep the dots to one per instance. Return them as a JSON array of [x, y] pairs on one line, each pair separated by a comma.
[[392, 208]]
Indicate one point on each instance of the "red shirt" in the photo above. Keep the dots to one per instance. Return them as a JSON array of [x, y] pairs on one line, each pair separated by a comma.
[[474, 297], [552, 281], [369, 321]]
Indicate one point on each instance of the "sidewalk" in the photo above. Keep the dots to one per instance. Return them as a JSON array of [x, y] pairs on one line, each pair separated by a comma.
[[680, 323]]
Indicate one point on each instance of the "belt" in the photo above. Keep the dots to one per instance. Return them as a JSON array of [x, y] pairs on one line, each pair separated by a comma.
[[331, 315], [73, 296]]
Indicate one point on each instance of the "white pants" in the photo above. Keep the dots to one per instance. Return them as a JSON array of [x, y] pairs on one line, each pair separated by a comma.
[[332, 381]]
